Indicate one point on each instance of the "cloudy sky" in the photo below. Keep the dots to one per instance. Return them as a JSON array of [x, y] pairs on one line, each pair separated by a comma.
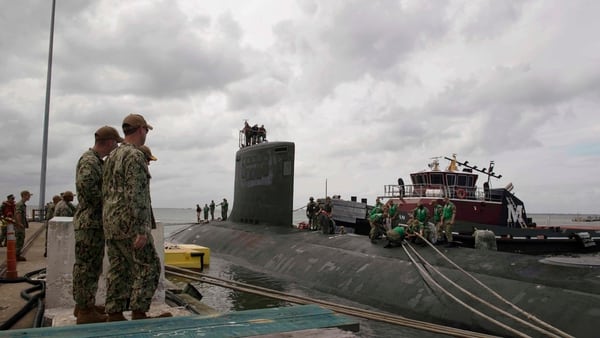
[[369, 91]]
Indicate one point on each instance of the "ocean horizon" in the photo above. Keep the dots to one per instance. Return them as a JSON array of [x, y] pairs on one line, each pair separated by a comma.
[[173, 216]]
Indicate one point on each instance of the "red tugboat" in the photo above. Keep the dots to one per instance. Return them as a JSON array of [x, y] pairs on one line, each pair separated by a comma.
[[486, 208]]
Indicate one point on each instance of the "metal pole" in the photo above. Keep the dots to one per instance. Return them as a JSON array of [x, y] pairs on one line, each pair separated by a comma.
[[47, 113]]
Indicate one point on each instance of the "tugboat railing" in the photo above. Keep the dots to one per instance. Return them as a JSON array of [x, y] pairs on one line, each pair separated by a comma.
[[438, 191]]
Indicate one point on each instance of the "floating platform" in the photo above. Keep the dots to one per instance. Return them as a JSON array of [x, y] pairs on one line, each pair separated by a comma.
[[235, 324], [187, 255]]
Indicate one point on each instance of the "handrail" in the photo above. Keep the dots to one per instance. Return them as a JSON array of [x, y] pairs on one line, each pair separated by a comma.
[[438, 191]]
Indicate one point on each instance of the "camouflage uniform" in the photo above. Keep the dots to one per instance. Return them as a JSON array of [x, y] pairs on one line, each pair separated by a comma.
[[50, 210], [134, 273], [64, 209], [21, 209], [49, 214], [224, 208], [212, 210], [205, 212], [448, 219], [89, 235]]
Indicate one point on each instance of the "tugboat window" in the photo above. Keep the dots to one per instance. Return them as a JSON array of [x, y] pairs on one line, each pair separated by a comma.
[[436, 179], [419, 179], [462, 180], [451, 180]]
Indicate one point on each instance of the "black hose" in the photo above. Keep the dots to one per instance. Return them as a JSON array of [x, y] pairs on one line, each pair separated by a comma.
[[33, 300]]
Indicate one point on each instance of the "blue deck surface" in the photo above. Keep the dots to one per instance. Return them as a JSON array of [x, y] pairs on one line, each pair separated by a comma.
[[235, 324]]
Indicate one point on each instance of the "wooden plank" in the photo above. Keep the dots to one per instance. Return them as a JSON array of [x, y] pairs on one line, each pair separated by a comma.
[[235, 324]]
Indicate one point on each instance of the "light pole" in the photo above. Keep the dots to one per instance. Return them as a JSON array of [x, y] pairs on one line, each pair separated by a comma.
[[47, 114]]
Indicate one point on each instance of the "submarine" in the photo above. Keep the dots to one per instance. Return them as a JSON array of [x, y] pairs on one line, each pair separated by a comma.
[[529, 295]]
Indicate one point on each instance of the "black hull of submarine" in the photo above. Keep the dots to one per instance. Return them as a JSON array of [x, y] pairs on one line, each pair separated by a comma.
[[351, 267]]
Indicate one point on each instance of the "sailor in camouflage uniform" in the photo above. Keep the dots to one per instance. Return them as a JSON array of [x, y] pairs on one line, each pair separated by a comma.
[[134, 269], [21, 223], [65, 208], [89, 234], [50, 206]]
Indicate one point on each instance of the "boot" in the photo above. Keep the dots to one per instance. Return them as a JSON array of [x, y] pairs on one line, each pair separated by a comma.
[[89, 315], [116, 317], [99, 308], [135, 315]]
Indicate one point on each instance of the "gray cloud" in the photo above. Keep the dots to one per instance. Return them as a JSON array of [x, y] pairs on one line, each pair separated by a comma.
[[368, 90]]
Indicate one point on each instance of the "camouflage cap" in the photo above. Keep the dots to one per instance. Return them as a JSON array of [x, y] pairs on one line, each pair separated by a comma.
[[135, 121], [68, 193], [146, 150], [108, 133]]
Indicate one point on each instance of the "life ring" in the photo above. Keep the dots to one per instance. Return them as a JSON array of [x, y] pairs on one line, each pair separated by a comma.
[[461, 193]]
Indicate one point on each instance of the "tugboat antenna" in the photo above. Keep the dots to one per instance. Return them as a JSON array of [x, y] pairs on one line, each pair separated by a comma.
[[489, 171]]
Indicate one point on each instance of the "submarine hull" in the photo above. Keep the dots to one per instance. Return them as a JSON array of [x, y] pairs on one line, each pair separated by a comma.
[[350, 266]]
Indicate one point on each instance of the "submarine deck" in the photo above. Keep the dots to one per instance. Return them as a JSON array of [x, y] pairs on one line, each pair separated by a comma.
[[350, 266]]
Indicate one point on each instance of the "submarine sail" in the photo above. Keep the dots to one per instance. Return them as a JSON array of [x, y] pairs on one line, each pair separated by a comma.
[[264, 184]]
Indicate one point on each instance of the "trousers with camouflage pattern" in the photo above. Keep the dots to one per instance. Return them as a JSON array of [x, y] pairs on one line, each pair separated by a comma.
[[133, 275], [89, 253]]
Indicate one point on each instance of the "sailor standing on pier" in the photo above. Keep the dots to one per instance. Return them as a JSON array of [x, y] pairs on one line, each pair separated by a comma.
[[21, 223], [135, 267], [87, 223]]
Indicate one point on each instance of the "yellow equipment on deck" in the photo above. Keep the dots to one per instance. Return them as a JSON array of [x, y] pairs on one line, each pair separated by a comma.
[[187, 255]]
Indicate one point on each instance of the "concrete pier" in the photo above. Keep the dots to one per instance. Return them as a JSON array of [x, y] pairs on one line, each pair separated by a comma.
[[61, 257], [59, 281], [290, 322]]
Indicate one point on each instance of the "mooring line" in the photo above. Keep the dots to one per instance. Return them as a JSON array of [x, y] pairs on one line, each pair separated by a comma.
[[528, 315], [353, 311], [480, 300], [467, 306]]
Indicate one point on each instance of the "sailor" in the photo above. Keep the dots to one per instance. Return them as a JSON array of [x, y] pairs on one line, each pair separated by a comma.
[[224, 207], [87, 225], [247, 130], [437, 218], [327, 224], [376, 220], [7, 211], [448, 215], [262, 134], [205, 210], [395, 236], [378, 205], [65, 207], [21, 223], [421, 216], [311, 212], [392, 211], [254, 134], [198, 213]]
